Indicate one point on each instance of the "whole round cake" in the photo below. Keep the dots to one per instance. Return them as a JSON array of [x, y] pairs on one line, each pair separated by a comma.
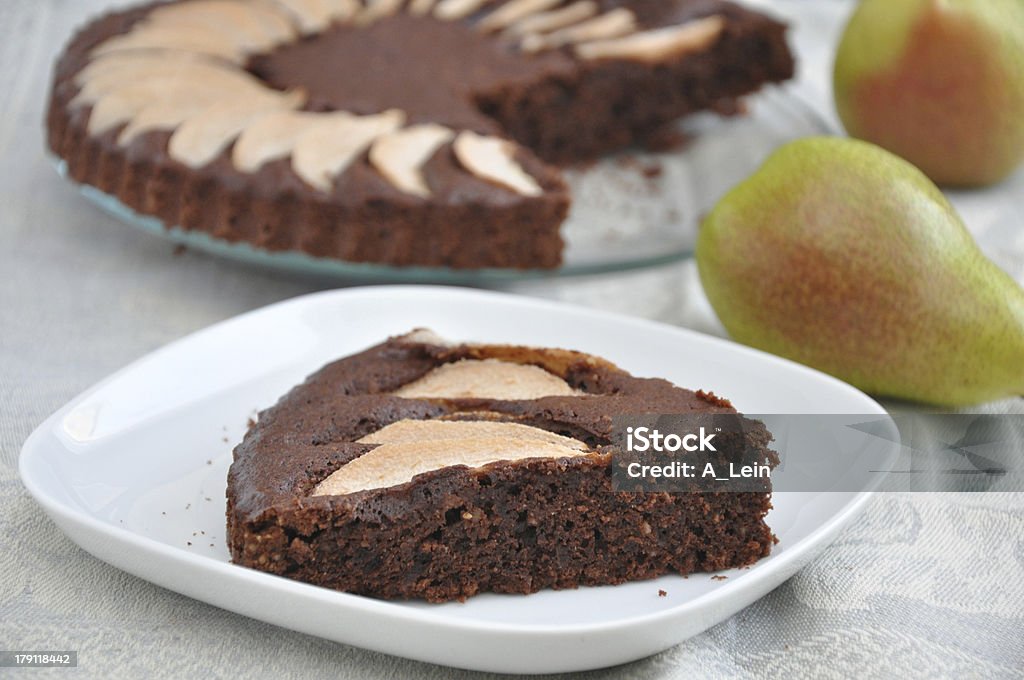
[[403, 132]]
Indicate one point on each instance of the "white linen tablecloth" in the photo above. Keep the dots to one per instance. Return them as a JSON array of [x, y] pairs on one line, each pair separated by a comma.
[[923, 585]]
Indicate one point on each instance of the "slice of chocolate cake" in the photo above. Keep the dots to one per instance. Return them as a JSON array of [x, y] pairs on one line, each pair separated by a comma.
[[389, 131], [422, 469]]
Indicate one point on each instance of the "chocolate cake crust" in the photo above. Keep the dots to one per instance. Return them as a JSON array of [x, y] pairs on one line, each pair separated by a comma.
[[509, 526]]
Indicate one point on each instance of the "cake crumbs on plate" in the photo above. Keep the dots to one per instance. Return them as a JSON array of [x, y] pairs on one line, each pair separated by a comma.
[[662, 593], [648, 169]]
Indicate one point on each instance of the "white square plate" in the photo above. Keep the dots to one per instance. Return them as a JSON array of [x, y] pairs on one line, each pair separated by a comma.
[[134, 471]]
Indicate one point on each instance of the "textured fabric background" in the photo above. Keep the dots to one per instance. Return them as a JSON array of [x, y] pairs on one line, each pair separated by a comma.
[[924, 585]]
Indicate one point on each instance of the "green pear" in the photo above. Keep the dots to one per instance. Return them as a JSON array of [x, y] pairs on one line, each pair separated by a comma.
[[844, 257], [938, 82]]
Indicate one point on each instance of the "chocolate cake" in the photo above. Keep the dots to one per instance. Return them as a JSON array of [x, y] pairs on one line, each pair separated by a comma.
[[422, 469], [405, 132]]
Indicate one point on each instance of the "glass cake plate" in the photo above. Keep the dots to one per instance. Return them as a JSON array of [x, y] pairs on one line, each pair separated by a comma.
[[633, 210]]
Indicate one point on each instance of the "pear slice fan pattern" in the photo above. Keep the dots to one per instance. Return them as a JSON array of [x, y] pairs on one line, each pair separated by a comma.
[[181, 69]]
